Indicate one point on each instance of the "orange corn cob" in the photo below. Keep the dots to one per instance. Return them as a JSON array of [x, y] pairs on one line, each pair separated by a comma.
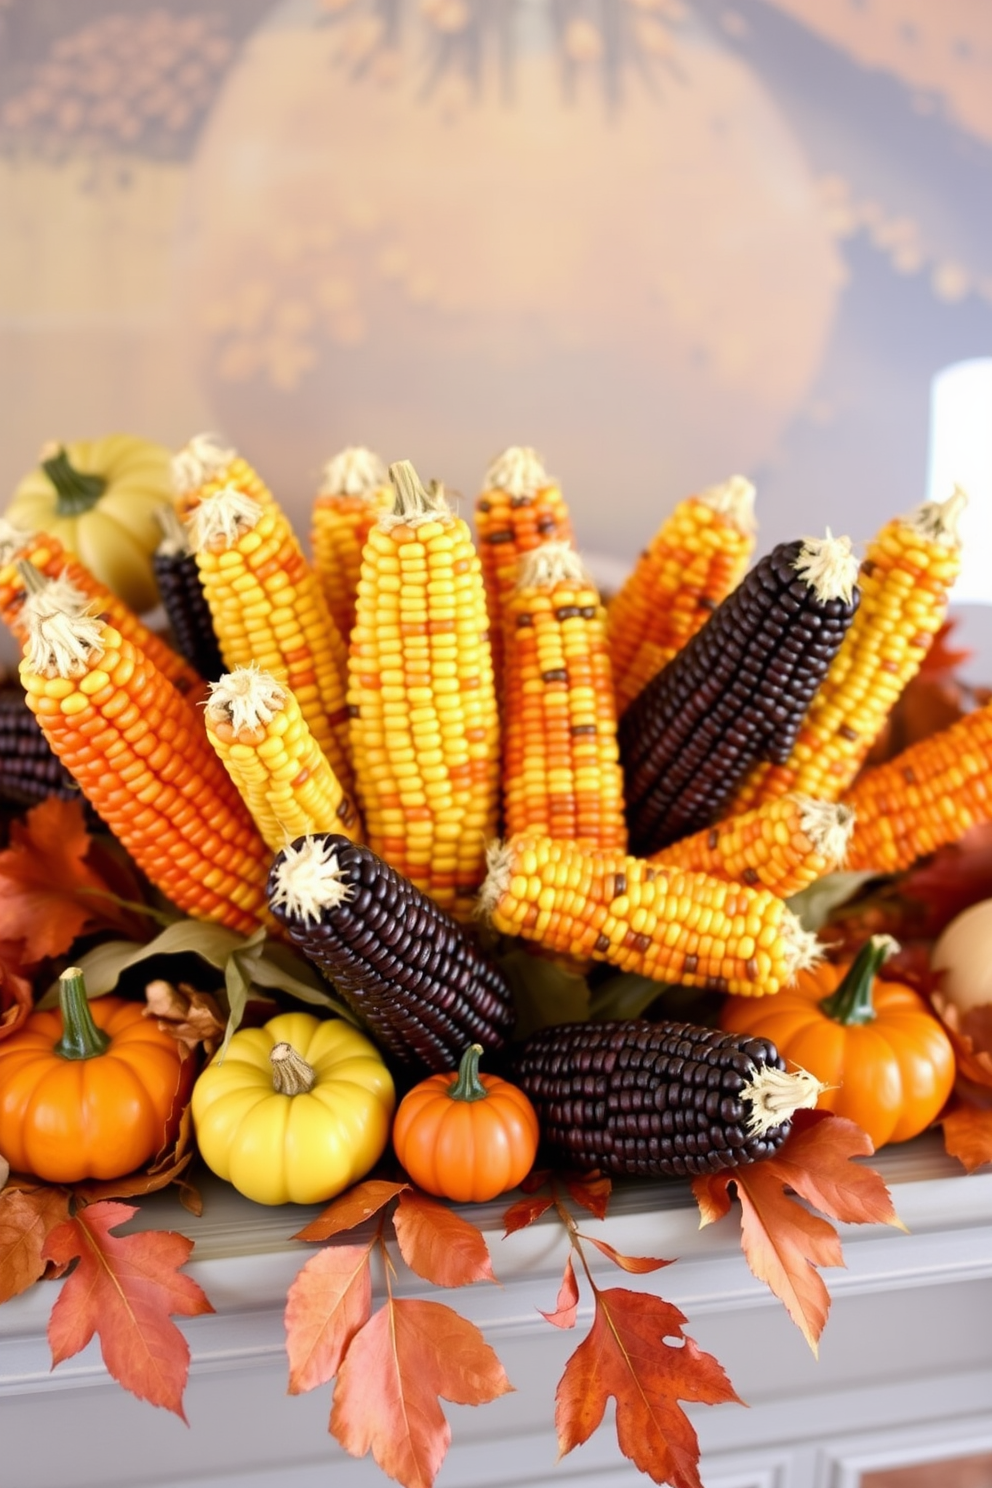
[[904, 580], [781, 846], [561, 760], [53, 562], [264, 744], [268, 608], [520, 508], [204, 466], [425, 734], [137, 750], [698, 555], [668, 924], [925, 797], [355, 490]]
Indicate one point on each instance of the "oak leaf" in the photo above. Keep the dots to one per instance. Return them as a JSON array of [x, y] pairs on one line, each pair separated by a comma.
[[408, 1357], [351, 1208], [125, 1289], [627, 1355], [439, 1244], [567, 1305], [27, 1216], [330, 1300], [968, 1134]]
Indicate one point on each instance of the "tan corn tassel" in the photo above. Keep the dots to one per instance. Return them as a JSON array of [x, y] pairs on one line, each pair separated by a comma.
[[354, 492], [205, 466]]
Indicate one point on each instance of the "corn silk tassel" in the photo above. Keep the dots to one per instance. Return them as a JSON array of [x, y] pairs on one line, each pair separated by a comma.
[[520, 508], [424, 729], [737, 692], [423, 988], [904, 579], [262, 739], [204, 466], [782, 846], [924, 798], [268, 608], [136, 748], [697, 556], [665, 923], [54, 562], [354, 492], [561, 760], [183, 599]]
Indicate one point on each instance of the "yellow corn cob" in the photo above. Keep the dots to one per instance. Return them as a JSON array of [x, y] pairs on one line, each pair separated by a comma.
[[354, 491], [268, 608], [561, 760], [136, 748], [904, 581], [925, 797], [263, 742], [520, 508], [781, 846], [698, 555], [204, 467], [425, 736], [668, 924]]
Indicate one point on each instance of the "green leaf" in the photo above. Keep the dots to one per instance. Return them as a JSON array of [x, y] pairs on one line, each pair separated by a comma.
[[280, 968], [815, 904], [544, 993], [238, 988], [103, 965], [159, 916]]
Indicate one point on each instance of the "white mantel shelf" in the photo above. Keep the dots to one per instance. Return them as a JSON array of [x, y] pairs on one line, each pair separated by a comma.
[[904, 1373]]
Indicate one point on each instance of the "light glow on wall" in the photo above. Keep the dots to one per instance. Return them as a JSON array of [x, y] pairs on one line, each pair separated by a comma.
[[961, 454]]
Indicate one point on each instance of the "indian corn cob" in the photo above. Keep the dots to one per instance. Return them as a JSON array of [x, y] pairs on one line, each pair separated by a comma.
[[904, 579], [665, 923], [406, 968], [137, 749], [925, 797], [697, 556], [737, 692], [53, 562], [634, 1097], [29, 771], [520, 508], [781, 846], [183, 599], [264, 744], [354, 492], [268, 608], [561, 762], [424, 731], [204, 466]]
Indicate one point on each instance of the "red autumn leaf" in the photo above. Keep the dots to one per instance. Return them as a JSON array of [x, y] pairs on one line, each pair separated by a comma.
[[438, 1244], [408, 1357], [567, 1304], [524, 1212], [626, 1355], [125, 1289], [536, 1178], [328, 1302], [27, 1216], [968, 1135], [592, 1191], [16, 992], [352, 1208], [637, 1265]]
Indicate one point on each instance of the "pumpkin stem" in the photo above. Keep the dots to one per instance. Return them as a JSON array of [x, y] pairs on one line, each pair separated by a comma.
[[852, 1002], [291, 1075], [75, 490], [81, 1039], [468, 1086]]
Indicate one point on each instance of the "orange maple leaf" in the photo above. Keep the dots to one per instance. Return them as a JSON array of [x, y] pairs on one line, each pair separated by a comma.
[[968, 1134], [438, 1244], [407, 1358], [330, 1300], [627, 1355], [783, 1243], [125, 1289], [27, 1216]]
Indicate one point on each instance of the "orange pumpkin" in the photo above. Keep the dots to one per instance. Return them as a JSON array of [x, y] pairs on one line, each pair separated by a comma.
[[468, 1136], [90, 1091], [885, 1059]]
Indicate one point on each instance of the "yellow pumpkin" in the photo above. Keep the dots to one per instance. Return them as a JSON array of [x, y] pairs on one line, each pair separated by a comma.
[[99, 497]]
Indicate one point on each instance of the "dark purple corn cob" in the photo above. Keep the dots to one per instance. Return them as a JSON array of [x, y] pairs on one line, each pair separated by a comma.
[[635, 1097], [29, 770], [183, 600], [737, 692], [423, 989]]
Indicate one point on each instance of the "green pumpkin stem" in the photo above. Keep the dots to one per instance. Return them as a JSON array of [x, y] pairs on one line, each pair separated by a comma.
[[852, 1002], [75, 491], [468, 1086], [81, 1039]]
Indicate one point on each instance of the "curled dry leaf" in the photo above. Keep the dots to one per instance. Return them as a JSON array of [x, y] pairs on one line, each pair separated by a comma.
[[968, 1133], [971, 1035], [191, 1017], [16, 992], [567, 1304], [4, 1170]]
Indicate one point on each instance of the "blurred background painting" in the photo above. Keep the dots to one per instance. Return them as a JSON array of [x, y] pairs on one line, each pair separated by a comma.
[[661, 240]]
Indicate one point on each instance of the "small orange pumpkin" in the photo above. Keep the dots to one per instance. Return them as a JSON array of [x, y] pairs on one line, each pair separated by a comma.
[[468, 1136], [886, 1060]]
